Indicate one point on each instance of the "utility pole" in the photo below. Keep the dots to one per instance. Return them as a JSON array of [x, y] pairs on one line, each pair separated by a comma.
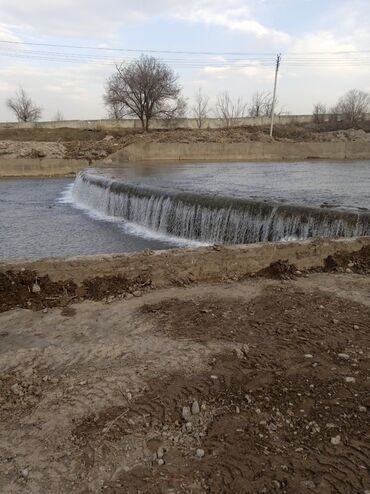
[[278, 61]]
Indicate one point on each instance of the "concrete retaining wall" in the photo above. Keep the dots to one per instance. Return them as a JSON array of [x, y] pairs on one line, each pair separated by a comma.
[[164, 268], [44, 167], [184, 123], [256, 151]]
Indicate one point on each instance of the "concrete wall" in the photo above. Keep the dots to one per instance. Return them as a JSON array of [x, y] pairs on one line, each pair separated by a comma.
[[262, 151], [44, 167], [186, 123], [164, 268]]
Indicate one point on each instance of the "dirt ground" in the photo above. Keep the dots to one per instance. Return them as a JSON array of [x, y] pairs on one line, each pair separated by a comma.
[[258, 386], [97, 145]]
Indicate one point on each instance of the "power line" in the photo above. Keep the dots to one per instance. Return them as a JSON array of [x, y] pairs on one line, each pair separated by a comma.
[[184, 52]]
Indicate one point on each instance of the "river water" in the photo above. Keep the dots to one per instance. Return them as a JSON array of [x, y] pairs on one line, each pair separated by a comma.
[[181, 204]]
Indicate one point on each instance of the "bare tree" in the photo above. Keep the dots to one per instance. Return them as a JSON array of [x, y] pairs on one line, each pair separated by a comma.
[[58, 117], [228, 110], [23, 107], [319, 113], [200, 108], [145, 88], [354, 105], [261, 105]]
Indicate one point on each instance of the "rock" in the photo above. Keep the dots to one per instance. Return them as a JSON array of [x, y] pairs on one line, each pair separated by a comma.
[[298, 273], [200, 453], [108, 138], [335, 440], [25, 473], [160, 452], [237, 410], [343, 356], [355, 327], [160, 462], [188, 427], [36, 288], [17, 390], [195, 408], [362, 409], [214, 377], [186, 414], [350, 379], [335, 321], [348, 270], [308, 355], [45, 311], [137, 293]]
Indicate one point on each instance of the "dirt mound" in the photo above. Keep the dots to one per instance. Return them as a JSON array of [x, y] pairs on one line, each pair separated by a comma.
[[27, 290], [16, 149], [356, 262], [280, 270]]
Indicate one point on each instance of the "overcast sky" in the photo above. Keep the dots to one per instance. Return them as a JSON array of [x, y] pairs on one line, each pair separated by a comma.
[[74, 83]]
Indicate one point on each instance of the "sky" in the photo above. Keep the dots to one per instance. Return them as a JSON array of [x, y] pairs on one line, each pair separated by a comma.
[[325, 47]]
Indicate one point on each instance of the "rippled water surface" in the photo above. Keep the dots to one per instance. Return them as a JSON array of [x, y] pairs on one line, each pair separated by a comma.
[[38, 217]]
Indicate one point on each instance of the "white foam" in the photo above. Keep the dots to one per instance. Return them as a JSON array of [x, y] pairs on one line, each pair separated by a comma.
[[127, 227]]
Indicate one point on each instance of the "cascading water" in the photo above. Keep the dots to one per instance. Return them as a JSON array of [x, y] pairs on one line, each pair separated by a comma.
[[212, 219]]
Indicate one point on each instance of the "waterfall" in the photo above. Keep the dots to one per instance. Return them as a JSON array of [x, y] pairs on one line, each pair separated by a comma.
[[213, 219]]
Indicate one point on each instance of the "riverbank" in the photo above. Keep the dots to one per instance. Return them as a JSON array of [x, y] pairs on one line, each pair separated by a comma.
[[59, 152], [119, 384]]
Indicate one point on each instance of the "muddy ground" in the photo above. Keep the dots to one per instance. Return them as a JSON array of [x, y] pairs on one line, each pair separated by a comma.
[[259, 386], [97, 145]]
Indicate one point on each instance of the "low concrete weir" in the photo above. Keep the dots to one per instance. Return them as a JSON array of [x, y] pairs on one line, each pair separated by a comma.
[[210, 219]]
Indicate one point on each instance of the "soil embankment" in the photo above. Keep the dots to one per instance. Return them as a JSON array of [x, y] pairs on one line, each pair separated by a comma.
[[53, 152], [251, 386]]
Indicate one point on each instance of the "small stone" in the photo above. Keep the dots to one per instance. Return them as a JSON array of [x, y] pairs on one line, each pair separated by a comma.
[[355, 327], [308, 355], [276, 483], [160, 452], [137, 293], [45, 311], [335, 440], [350, 380], [362, 409], [25, 473], [335, 321], [17, 390], [298, 273], [321, 307], [82, 383], [195, 408], [237, 410], [200, 453], [36, 288], [214, 377], [186, 414], [188, 427], [160, 462], [348, 270], [350, 264], [343, 356]]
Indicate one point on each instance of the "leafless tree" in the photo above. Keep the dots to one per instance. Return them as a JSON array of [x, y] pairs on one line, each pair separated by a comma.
[[200, 108], [229, 110], [58, 117], [23, 107], [319, 113], [145, 88], [261, 105], [353, 106]]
